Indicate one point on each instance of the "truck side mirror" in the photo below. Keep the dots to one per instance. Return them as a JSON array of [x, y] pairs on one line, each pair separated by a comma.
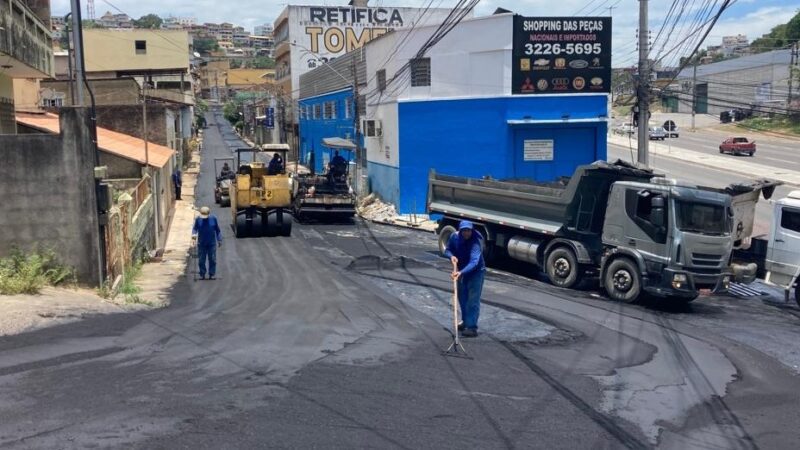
[[657, 216]]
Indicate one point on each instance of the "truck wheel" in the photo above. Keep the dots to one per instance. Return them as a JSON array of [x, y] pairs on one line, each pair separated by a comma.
[[720, 150], [623, 281], [797, 294], [444, 237], [240, 227], [562, 267]]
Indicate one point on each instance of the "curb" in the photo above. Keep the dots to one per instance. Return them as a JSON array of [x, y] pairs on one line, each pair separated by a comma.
[[706, 160]]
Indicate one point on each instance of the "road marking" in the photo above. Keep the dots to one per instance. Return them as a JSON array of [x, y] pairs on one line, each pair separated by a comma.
[[779, 160]]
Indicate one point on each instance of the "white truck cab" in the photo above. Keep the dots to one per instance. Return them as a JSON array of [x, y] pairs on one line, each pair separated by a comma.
[[783, 249]]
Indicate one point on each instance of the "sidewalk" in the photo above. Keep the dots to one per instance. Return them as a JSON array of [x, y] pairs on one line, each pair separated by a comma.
[[743, 167], [157, 278]]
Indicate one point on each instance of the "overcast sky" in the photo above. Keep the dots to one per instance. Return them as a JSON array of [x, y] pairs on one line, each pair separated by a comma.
[[753, 17]]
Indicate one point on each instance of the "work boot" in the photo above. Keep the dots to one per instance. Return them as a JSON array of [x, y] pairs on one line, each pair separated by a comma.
[[202, 277], [460, 326], [469, 333], [211, 277]]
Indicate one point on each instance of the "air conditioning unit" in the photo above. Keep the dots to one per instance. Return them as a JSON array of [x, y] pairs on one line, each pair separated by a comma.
[[371, 128]]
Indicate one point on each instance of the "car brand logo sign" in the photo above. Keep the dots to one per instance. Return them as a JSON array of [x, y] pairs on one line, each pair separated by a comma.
[[542, 84], [579, 83], [579, 64], [525, 64], [561, 63], [560, 84]]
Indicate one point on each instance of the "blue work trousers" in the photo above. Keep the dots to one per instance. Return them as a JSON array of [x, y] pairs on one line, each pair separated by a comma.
[[210, 252], [469, 298]]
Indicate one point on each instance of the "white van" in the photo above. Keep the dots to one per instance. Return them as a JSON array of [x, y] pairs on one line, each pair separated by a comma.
[[783, 249]]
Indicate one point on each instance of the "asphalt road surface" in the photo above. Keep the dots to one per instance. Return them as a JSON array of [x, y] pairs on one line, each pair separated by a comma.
[[333, 338]]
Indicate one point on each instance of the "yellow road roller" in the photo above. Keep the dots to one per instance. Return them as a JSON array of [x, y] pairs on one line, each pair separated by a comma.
[[261, 194]]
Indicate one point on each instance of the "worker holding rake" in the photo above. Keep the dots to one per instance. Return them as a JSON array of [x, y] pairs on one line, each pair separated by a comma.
[[464, 251]]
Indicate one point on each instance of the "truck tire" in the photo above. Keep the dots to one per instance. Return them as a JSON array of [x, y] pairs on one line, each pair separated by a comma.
[[562, 267], [623, 281], [444, 236], [721, 151], [797, 294]]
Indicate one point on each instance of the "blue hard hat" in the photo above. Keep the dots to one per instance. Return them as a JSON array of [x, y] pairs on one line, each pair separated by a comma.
[[465, 225]]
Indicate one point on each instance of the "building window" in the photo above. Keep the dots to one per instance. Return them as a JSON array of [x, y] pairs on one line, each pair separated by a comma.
[[348, 108], [141, 47], [329, 111], [302, 112], [381, 76], [52, 102], [317, 111], [420, 72]]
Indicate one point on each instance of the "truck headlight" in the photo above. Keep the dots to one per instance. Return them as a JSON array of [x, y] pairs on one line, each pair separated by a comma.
[[678, 279]]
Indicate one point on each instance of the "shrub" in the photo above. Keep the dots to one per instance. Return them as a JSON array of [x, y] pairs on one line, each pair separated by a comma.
[[22, 273]]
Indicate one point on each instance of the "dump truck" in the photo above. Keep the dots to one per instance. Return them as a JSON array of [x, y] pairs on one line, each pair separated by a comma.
[[261, 195], [327, 196], [634, 230]]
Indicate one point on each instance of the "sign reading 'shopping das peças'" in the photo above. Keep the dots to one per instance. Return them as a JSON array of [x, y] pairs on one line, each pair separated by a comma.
[[561, 55]]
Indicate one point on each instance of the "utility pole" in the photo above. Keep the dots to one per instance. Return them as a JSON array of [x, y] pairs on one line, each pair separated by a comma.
[[77, 42], [792, 63], [153, 180], [360, 157], [694, 92], [644, 86]]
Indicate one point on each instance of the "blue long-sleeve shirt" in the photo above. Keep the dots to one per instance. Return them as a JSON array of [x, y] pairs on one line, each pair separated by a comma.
[[468, 252], [176, 178], [207, 231]]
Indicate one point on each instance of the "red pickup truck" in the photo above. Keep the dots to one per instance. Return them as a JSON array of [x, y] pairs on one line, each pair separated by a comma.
[[738, 146]]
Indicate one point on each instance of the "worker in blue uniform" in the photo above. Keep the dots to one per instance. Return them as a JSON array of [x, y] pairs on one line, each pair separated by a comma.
[[207, 236], [465, 251]]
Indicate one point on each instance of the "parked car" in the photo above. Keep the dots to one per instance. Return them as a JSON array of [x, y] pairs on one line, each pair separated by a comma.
[[738, 146], [625, 129], [657, 134], [672, 129]]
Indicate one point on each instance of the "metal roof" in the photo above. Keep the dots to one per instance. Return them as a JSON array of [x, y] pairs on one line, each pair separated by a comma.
[[776, 57], [123, 145], [337, 142]]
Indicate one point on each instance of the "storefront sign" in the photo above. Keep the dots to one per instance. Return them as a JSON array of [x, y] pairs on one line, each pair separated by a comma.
[[269, 120], [538, 150], [554, 55]]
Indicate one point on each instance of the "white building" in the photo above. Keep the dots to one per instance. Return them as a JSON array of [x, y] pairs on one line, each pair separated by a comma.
[[263, 30], [308, 36]]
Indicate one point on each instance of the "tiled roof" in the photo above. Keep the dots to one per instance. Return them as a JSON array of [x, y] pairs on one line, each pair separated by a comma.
[[119, 144]]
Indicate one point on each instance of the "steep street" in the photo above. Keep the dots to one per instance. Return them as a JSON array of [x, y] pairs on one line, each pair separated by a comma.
[[333, 337]]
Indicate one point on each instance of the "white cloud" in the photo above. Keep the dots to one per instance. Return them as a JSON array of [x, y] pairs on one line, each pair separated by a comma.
[[249, 13]]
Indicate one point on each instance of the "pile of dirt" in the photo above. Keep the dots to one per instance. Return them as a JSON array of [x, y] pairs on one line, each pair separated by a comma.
[[372, 208]]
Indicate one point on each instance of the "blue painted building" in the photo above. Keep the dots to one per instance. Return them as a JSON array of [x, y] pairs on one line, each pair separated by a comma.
[[325, 116], [452, 111]]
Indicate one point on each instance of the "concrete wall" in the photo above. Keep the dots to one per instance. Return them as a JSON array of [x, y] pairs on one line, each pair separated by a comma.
[[47, 187], [118, 91], [127, 119], [119, 167]]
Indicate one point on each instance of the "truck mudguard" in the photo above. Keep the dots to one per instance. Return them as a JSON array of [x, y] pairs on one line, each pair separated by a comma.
[[634, 255], [581, 252]]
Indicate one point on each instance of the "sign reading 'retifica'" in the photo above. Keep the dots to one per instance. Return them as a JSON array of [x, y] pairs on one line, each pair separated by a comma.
[[560, 55]]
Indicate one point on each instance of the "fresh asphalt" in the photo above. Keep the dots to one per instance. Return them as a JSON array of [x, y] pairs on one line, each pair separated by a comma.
[[333, 338]]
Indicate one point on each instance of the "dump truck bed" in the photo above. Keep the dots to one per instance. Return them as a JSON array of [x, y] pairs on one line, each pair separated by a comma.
[[576, 203]]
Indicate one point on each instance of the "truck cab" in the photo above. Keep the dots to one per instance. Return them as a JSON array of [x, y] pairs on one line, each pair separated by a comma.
[[665, 239], [783, 248]]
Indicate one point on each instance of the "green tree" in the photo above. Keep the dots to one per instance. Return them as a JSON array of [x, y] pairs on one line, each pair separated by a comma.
[[231, 112], [262, 62], [236, 63], [148, 21], [205, 46], [89, 24]]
